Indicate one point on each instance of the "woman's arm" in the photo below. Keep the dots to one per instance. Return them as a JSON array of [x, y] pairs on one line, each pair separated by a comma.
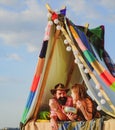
[[86, 108]]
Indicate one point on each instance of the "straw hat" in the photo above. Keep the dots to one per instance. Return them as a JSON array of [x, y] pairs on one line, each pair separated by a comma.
[[59, 86]]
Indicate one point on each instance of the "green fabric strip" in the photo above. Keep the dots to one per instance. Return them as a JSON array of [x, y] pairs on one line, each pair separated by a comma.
[[113, 86], [96, 36], [24, 115], [89, 56]]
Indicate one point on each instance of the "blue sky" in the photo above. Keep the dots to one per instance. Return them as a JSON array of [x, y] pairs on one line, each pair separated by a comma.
[[22, 27]]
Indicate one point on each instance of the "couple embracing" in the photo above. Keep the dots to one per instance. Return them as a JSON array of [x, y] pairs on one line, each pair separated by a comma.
[[77, 107]]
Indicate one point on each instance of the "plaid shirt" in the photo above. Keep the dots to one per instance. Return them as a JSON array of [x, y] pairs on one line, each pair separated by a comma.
[[68, 103]]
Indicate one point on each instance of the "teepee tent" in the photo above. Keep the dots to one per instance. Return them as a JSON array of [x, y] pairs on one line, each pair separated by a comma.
[[70, 54]]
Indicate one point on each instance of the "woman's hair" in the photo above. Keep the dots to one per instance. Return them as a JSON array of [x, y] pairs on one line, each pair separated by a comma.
[[81, 89]]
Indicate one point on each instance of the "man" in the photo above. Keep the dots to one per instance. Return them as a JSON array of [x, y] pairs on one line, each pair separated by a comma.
[[57, 104]]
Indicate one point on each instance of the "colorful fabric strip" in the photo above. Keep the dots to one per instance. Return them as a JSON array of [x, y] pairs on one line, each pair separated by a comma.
[[47, 31], [89, 56], [35, 83], [26, 110], [28, 105], [113, 86], [30, 98], [44, 49], [98, 68]]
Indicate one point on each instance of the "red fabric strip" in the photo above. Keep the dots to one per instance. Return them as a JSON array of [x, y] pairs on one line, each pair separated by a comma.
[[107, 77], [35, 83]]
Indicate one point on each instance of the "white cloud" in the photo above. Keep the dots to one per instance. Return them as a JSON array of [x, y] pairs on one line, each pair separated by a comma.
[[25, 27], [92, 10], [11, 2], [109, 4], [14, 56], [5, 80], [32, 48]]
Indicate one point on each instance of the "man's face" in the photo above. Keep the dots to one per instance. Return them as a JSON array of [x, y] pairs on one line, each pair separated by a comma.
[[61, 96]]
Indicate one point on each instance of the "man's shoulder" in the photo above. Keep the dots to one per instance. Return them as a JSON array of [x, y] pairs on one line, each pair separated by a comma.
[[69, 97]]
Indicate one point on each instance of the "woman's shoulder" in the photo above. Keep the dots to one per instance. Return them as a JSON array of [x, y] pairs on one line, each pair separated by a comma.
[[88, 100]]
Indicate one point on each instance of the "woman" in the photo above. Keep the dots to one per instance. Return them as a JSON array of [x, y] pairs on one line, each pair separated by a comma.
[[86, 109]]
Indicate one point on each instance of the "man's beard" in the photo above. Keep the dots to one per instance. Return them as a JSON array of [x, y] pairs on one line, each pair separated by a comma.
[[62, 100]]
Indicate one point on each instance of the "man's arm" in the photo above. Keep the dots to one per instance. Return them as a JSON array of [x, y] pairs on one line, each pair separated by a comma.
[[62, 116], [56, 110]]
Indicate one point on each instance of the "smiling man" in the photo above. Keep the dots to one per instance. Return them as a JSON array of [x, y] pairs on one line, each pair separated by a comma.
[[57, 105]]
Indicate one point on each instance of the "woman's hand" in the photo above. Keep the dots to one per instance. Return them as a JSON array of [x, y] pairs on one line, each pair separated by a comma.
[[80, 106]]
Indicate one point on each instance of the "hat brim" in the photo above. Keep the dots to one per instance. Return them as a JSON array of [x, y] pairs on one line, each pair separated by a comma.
[[53, 91]]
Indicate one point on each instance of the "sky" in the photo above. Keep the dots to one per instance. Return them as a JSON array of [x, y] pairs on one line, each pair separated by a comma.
[[22, 27]]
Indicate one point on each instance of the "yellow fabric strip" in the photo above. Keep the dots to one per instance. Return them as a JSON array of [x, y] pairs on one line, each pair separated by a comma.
[[98, 67]]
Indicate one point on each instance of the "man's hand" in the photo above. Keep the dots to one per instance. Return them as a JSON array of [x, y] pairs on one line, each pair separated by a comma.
[[54, 124], [71, 116]]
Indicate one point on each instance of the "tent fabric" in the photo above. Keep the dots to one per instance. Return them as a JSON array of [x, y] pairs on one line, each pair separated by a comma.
[[109, 63], [97, 124], [96, 36], [104, 74], [37, 75], [65, 62]]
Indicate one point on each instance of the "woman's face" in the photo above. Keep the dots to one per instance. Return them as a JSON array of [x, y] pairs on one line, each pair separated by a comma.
[[75, 94]]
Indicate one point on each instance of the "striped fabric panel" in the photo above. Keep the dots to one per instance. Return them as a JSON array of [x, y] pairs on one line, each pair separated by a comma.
[[95, 124], [35, 83], [89, 56], [108, 78], [37, 74], [105, 75]]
